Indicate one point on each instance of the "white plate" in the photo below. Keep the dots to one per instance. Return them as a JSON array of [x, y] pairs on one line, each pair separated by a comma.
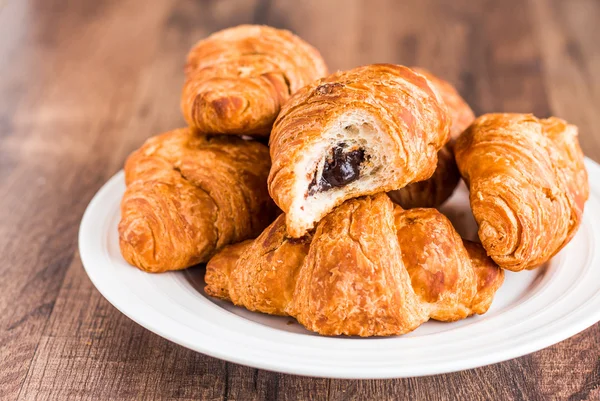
[[531, 311]]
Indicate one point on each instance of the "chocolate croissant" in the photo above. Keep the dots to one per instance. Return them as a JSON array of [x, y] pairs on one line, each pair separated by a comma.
[[369, 269], [238, 79], [359, 132], [188, 195], [528, 185], [434, 191]]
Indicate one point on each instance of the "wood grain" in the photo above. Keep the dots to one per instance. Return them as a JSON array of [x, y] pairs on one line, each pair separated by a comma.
[[84, 83]]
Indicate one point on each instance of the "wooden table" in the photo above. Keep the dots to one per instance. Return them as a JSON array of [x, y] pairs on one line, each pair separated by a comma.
[[83, 83]]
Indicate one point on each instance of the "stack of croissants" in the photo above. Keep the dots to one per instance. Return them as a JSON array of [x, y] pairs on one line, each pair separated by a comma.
[[334, 223]]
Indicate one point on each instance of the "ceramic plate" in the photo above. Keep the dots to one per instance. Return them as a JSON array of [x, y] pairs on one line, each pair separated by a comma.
[[532, 310]]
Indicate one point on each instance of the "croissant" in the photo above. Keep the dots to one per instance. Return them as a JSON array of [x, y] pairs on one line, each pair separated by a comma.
[[528, 185], [238, 79], [369, 269], [452, 274], [359, 132], [188, 195], [434, 191]]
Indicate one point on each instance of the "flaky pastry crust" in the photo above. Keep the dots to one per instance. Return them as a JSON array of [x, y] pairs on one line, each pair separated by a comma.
[[385, 124], [434, 191], [452, 275], [237, 79], [188, 195], [528, 185], [369, 269]]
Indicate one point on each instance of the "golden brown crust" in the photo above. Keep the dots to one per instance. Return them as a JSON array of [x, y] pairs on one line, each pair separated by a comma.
[[440, 186], [409, 113], [368, 270], [571, 162], [218, 270], [489, 277], [188, 195], [261, 274], [435, 190], [460, 113], [353, 281], [528, 185], [265, 276], [238, 79], [442, 271]]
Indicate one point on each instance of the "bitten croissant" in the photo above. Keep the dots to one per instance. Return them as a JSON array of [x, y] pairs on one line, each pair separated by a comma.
[[369, 269], [359, 132], [434, 191], [238, 79], [528, 185], [189, 195]]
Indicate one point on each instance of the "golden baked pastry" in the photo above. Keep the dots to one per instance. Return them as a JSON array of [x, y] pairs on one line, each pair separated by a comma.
[[359, 132], [238, 79], [266, 282], [461, 114], [528, 185], [453, 275], [369, 269], [189, 195], [434, 191]]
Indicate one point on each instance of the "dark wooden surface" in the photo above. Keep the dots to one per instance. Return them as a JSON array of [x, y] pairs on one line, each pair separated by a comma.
[[82, 83]]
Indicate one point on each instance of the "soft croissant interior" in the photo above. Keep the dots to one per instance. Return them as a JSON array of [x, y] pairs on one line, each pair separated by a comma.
[[352, 157]]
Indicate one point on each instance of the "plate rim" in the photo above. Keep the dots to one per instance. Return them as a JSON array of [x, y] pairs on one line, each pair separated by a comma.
[[86, 251]]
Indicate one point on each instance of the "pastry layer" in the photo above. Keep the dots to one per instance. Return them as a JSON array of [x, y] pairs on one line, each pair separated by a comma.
[[369, 269], [528, 185], [238, 79], [188, 195], [359, 132], [434, 191]]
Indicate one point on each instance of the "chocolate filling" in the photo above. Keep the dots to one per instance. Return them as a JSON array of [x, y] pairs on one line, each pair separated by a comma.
[[341, 167]]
